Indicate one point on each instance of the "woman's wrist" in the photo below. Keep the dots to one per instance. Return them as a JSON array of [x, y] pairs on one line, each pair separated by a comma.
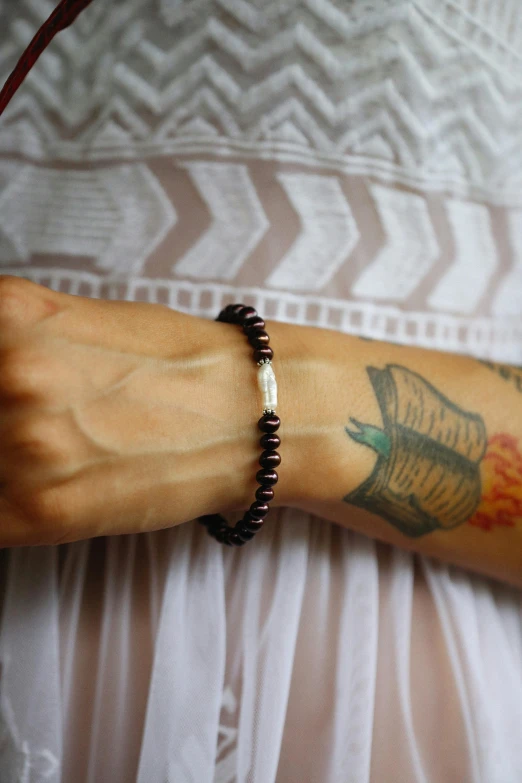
[[306, 430], [312, 382]]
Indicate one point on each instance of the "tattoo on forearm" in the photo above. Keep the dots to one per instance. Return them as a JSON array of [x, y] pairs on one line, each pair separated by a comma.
[[501, 469], [509, 373], [427, 475]]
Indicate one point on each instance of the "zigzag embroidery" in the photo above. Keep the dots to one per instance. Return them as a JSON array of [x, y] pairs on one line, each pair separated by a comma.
[[487, 338], [296, 74]]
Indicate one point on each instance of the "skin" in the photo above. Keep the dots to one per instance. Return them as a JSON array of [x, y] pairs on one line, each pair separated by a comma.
[[121, 417]]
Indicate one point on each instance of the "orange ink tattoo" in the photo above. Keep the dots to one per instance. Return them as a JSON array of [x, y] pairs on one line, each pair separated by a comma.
[[501, 473]]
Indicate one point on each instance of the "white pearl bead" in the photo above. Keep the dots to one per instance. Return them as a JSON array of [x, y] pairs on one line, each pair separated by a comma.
[[267, 383]]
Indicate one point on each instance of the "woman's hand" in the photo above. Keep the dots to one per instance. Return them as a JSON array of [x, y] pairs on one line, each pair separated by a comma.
[[122, 417], [118, 417]]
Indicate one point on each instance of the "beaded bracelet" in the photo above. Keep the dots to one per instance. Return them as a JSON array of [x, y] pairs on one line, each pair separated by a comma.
[[253, 519]]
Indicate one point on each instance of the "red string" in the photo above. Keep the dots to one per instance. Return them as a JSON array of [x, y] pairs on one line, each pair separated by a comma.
[[64, 14]]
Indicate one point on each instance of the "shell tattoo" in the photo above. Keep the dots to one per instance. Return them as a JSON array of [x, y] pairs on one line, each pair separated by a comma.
[[427, 474]]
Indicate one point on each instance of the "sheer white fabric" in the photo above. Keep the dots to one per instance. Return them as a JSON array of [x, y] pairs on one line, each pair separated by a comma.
[[354, 166]]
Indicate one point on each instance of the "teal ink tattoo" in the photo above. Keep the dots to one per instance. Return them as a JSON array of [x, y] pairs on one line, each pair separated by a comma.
[[426, 476]]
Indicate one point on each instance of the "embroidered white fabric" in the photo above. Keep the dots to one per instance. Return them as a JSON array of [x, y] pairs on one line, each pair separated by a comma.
[[354, 166]]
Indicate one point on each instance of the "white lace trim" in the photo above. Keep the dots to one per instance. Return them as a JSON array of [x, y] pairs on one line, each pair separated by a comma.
[[493, 338]]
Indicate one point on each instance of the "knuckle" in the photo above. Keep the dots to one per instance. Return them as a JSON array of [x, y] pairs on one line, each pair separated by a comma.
[[20, 373], [12, 283], [48, 508], [35, 437], [12, 292], [24, 303]]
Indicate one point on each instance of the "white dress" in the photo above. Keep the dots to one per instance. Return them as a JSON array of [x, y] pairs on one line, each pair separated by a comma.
[[353, 165]]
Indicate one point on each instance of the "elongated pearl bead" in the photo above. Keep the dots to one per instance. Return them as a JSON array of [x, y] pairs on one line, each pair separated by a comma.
[[268, 385]]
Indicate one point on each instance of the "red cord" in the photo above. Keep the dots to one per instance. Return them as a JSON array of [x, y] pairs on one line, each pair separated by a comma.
[[64, 14]]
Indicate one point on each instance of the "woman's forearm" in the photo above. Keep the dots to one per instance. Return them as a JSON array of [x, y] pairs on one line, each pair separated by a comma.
[[120, 417], [415, 447]]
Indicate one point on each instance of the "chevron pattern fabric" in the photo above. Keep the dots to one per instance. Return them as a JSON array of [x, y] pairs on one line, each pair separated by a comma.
[[349, 164], [406, 88], [385, 137]]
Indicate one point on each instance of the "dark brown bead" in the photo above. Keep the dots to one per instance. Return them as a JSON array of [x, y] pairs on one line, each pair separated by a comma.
[[223, 316], [269, 422], [258, 510], [248, 314], [270, 459], [235, 539], [266, 477], [223, 526], [220, 535], [253, 324], [209, 520], [265, 494], [243, 533], [229, 311], [263, 353], [220, 532], [251, 524], [258, 339], [235, 312], [218, 523], [270, 441]]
